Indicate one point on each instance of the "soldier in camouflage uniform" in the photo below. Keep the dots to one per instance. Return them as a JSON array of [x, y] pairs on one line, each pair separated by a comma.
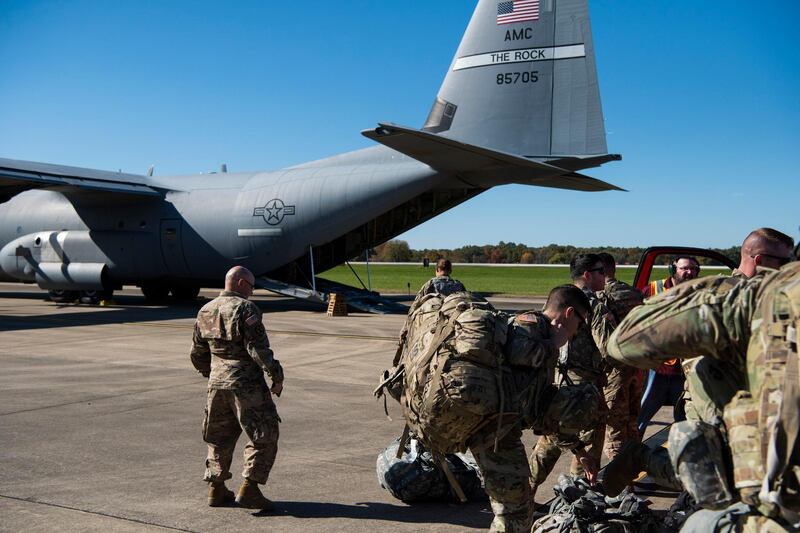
[[751, 325], [711, 382], [763, 247], [623, 393], [505, 471], [581, 361], [442, 283], [230, 347]]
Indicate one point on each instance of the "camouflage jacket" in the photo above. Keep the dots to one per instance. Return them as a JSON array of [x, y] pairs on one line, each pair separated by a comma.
[[444, 285], [750, 324], [711, 382], [707, 316], [230, 344], [530, 343], [583, 358], [531, 353], [620, 298]]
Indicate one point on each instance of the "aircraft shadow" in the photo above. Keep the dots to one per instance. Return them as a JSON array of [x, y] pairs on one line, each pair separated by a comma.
[[126, 308], [472, 514]]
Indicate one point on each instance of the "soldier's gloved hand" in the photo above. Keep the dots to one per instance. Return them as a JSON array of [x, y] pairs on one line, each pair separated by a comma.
[[277, 388]]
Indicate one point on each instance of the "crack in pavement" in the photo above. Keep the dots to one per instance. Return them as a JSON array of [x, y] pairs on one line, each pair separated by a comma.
[[97, 513]]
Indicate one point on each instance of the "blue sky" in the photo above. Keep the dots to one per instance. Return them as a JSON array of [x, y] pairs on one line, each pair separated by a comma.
[[702, 99]]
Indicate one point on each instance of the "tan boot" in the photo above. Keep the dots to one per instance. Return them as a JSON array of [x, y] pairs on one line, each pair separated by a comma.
[[250, 497], [218, 494]]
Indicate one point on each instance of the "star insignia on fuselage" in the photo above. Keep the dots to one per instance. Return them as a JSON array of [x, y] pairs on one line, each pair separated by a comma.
[[274, 211]]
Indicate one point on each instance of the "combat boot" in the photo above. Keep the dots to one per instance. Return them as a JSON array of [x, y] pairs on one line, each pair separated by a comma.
[[250, 497], [218, 494], [625, 468]]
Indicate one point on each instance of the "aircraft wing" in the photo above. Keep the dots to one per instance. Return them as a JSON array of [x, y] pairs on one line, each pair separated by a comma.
[[482, 167], [17, 176]]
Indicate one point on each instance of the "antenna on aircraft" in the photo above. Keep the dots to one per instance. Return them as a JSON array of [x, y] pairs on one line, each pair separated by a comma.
[[223, 168], [150, 170]]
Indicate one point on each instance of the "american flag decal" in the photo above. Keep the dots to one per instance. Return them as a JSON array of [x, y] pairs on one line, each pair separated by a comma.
[[517, 11]]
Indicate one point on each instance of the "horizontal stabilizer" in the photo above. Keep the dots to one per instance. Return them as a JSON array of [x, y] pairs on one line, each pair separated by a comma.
[[574, 163], [479, 166], [17, 176]]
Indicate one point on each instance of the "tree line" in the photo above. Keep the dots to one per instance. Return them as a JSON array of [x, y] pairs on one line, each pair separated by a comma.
[[512, 253]]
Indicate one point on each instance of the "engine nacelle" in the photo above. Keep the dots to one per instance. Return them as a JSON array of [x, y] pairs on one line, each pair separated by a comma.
[[44, 258]]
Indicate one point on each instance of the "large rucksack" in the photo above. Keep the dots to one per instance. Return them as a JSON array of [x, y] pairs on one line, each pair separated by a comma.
[[452, 361]]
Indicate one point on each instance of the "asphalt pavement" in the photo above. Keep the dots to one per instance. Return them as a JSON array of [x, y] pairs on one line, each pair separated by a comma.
[[100, 415]]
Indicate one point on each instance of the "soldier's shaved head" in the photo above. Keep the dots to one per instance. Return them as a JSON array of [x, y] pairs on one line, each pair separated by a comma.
[[765, 247], [240, 280]]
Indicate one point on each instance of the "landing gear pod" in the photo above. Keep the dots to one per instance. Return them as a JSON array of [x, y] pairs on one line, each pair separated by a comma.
[[72, 276]]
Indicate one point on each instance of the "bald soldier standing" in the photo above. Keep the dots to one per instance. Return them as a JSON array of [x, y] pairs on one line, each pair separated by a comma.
[[230, 347], [711, 381], [743, 471]]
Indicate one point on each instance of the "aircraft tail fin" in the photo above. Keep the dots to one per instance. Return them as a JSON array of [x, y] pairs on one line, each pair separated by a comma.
[[484, 167], [523, 81]]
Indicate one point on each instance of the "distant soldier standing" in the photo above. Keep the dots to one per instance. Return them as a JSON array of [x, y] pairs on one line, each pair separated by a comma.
[[442, 283], [231, 348], [581, 361]]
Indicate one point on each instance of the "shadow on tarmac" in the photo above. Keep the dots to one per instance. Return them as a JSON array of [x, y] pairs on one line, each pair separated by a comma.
[[472, 514], [126, 308]]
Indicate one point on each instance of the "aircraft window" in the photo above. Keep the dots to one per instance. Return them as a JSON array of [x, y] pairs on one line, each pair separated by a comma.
[[37, 242], [142, 224]]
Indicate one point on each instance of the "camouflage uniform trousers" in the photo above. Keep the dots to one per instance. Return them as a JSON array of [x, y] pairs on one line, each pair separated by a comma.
[[703, 375], [507, 482], [623, 395], [546, 452], [710, 385], [228, 413]]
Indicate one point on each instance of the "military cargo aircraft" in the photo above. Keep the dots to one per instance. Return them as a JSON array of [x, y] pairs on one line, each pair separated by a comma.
[[519, 104]]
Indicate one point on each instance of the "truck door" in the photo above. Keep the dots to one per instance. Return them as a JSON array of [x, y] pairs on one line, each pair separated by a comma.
[[661, 255]]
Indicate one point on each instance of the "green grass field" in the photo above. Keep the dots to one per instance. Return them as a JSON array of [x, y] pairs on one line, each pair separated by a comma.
[[522, 281]]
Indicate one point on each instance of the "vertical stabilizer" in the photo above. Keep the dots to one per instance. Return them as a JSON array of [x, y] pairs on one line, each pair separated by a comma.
[[524, 81]]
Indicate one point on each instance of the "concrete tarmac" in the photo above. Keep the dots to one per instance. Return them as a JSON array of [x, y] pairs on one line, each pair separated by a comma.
[[100, 415]]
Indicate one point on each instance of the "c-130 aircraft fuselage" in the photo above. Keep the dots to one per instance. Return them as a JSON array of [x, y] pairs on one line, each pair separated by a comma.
[[524, 111]]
